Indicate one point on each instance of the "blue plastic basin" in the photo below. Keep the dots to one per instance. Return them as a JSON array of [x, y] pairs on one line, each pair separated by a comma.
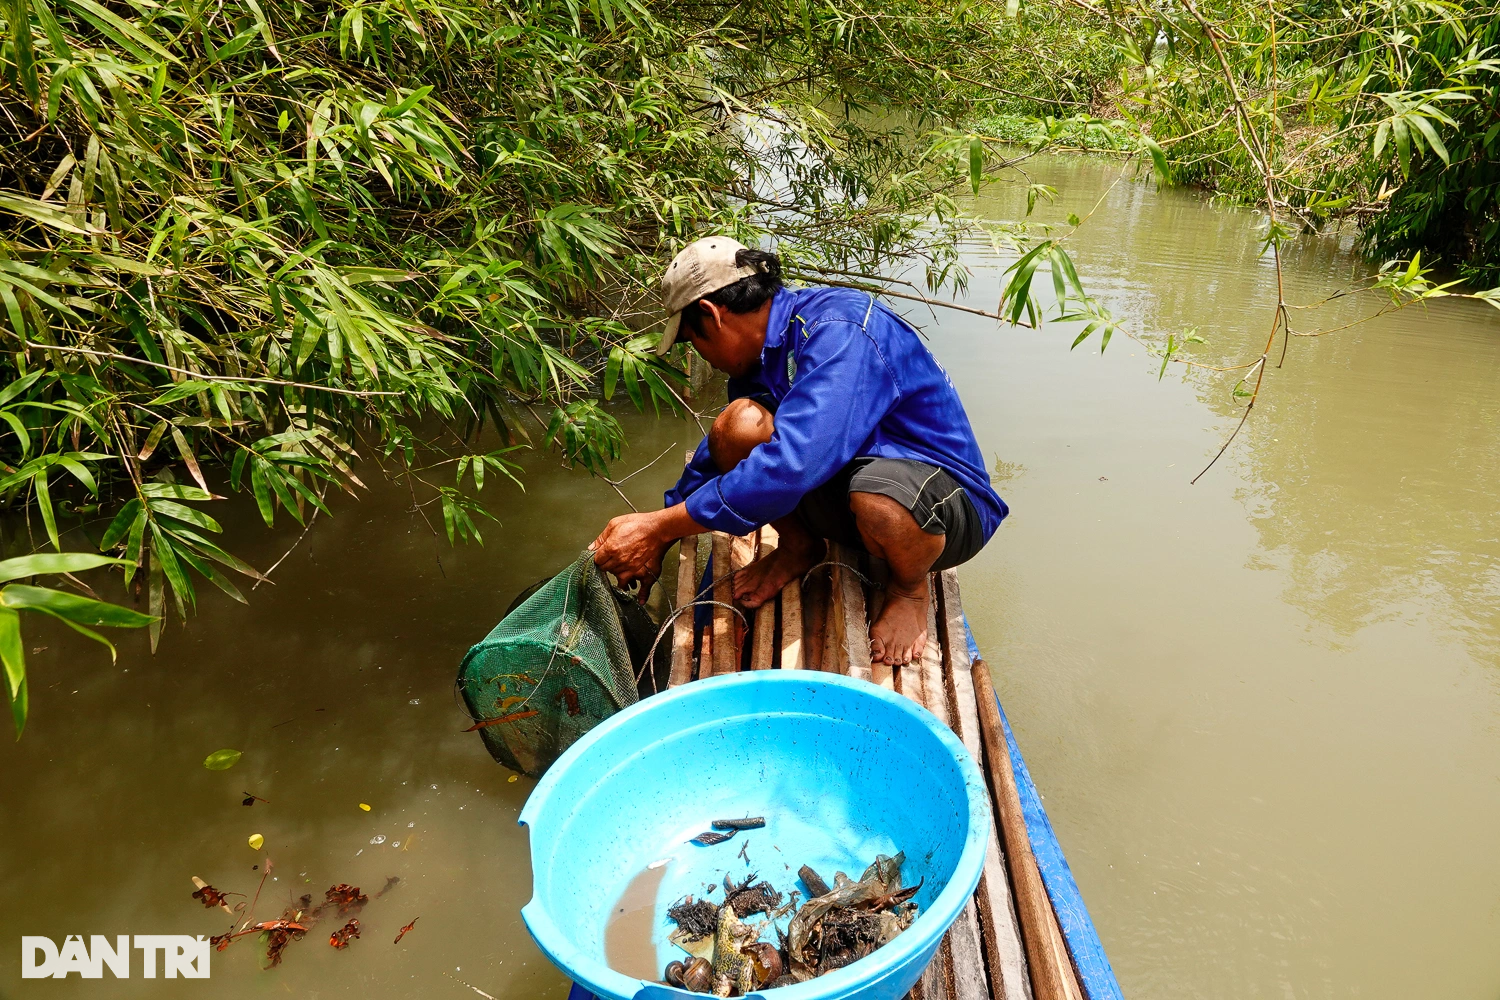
[[841, 769]]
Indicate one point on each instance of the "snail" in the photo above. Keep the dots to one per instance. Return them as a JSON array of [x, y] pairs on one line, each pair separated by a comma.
[[698, 976], [673, 973], [766, 960]]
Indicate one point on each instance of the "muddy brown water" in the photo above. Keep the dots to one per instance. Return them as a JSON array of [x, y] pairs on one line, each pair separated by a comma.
[[632, 920], [1264, 710]]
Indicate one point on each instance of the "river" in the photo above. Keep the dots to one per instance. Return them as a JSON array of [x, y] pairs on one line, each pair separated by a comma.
[[1264, 710]]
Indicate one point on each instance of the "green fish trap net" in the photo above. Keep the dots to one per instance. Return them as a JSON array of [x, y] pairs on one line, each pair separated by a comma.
[[568, 655]]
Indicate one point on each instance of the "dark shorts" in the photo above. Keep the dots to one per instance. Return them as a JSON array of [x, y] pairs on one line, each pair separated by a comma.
[[940, 505]]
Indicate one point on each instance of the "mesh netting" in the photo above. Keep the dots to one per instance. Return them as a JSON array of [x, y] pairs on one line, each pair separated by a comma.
[[557, 665]]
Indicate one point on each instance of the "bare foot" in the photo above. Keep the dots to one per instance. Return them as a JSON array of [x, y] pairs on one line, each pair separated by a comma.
[[899, 635], [763, 579]]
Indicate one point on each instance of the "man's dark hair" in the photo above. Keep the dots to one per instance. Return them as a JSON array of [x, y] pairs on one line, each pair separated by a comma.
[[746, 295]]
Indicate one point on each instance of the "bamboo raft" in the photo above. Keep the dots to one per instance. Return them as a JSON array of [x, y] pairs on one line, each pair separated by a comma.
[[1025, 934]]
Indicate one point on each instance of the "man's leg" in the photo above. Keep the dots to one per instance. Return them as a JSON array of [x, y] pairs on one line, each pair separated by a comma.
[[890, 532], [739, 429]]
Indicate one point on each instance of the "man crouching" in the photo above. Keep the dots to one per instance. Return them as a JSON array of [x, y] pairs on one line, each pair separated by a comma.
[[841, 426]]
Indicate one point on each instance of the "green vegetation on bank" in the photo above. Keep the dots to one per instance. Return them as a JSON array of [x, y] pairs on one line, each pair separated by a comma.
[[1380, 115]]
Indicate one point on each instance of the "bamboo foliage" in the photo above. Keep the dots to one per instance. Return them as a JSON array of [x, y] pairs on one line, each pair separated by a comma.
[[247, 246]]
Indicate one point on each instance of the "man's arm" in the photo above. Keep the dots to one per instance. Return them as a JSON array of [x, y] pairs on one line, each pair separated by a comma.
[[843, 389], [631, 546]]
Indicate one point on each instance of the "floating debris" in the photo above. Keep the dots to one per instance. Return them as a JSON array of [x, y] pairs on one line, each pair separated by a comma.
[[340, 938], [222, 760], [346, 897], [295, 921], [404, 929], [211, 897]]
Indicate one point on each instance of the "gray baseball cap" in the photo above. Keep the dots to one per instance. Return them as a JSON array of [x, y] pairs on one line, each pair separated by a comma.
[[702, 268]]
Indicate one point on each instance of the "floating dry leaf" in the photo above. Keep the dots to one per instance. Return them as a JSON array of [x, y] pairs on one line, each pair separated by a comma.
[[346, 897], [403, 930], [365, 806], [211, 897], [341, 937], [256, 841]]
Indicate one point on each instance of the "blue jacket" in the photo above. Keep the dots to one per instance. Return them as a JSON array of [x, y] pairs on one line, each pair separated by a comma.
[[846, 378]]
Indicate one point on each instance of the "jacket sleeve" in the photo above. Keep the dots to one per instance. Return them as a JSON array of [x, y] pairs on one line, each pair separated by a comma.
[[843, 389], [700, 470]]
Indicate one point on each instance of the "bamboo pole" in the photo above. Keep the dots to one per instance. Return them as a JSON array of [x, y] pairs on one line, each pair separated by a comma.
[[1005, 954], [741, 554], [930, 661], [814, 620], [881, 672], [723, 661], [791, 626], [937, 979], [682, 628], [763, 644], [855, 626], [1052, 976], [835, 648]]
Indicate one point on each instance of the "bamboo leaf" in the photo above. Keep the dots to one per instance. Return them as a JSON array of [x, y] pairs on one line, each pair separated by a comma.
[[44, 504], [164, 555], [73, 607], [152, 440], [172, 491], [118, 527], [13, 658], [1425, 127], [188, 458], [262, 491], [182, 512]]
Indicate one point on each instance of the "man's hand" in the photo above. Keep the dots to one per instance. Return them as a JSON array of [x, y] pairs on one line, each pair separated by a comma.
[[631, 546]]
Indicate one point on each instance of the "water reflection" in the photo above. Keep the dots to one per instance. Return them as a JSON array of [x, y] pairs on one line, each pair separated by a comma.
[[1369, 463]]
